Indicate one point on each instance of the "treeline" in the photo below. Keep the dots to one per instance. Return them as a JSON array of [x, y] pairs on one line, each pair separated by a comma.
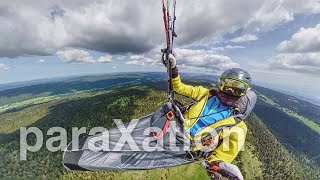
[[294, 104], [294, 135], [277, 162]]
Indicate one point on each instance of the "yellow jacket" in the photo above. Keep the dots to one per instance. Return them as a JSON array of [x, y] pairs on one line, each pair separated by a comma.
[[236, 134]]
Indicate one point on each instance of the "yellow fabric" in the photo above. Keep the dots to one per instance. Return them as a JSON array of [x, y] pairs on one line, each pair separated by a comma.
[[229, 121], [192, 116], [236, 142], [196, 93]]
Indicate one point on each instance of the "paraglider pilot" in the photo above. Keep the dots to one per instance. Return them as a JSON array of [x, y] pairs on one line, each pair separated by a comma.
[[225, 106]]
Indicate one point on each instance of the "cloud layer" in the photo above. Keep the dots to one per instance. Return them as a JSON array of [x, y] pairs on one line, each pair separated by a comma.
[[301, 53], [298, 62], [304, 41], [207, 60], [35, 27], [105, 59], [3, 66], [188, 59], [245, 38], [75, 56], [81, 56], [41, 61]]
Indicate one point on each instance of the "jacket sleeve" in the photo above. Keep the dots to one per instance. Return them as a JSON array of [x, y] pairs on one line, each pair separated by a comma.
[[194, 92], [246, 104], [235, 137]]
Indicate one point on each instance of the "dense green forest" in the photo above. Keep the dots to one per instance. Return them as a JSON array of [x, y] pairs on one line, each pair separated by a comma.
[[292, 103], [268, 154]]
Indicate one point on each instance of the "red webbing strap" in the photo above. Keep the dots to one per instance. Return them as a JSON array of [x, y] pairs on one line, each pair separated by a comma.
[[170, 116]]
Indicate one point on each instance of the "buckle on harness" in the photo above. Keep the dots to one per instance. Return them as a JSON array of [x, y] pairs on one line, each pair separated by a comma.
[[206, 143], [169, 115], [207, 140]]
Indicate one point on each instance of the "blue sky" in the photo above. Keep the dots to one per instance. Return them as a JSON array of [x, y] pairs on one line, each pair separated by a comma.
[[276, 41]]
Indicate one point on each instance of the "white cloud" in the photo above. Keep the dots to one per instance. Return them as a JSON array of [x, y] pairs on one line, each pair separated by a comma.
[[105, 59], [234, 47], [136, 57], [126, 26], [271, 13], [226, 47], [217, 48], [4, 67], [189, 59], [41, 61], [205, 59], [136, 62], [150, 59], [245, 38], [114, 67], [146, 61], [297, 62], [121, 57], [304, 41], [75, 56], [307, 6], [299, 54]]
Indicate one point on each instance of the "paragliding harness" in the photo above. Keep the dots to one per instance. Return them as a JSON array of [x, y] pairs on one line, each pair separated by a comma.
[[164, 125]]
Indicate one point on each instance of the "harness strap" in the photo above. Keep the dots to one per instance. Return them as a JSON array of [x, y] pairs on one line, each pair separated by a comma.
[[169, 116], [188, 106]]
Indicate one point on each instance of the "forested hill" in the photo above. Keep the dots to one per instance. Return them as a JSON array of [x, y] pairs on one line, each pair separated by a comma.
[[292, 103], [281, 143], [294, 122]]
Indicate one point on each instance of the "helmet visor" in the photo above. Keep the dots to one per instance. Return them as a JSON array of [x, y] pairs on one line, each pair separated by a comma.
[[234, 87]]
